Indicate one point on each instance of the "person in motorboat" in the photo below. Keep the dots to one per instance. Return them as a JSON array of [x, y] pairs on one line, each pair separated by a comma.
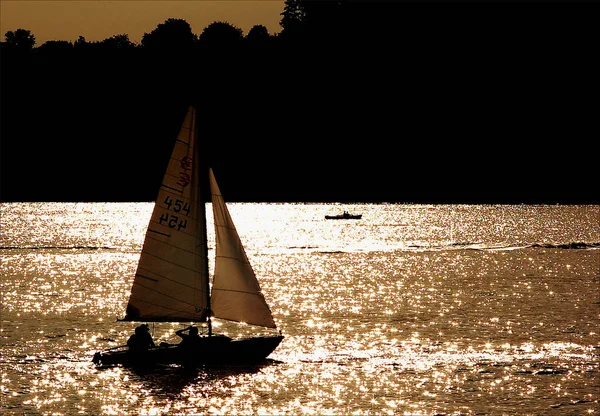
[[141, 340]]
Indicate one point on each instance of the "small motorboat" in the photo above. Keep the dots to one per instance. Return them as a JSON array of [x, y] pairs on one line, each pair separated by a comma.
[[344, 216]]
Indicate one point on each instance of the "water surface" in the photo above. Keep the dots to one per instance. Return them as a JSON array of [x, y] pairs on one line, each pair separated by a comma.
[[414, 309]]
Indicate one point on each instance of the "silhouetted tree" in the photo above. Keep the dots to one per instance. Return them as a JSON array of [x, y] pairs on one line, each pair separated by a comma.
[[258, 32], [80, 42], [118, 41], [83, 46], [292, 16], [258, 36], [172, 34], [20, 39], [322, 15], [221, 34], [321, 21], [55, 46]]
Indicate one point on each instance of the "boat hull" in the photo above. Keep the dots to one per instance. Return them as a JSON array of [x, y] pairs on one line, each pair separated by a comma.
[[343, 217], [216, 350]]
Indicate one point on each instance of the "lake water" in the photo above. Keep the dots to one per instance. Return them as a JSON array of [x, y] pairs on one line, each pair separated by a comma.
[[413, 309]]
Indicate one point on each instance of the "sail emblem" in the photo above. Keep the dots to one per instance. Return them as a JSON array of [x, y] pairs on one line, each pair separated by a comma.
[[186, 163], [184, 177]]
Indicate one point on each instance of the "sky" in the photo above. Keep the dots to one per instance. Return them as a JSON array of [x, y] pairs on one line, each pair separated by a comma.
[[98, 20]]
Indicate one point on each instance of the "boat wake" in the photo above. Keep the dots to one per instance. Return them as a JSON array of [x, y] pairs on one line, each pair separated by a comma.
[[575, 245], [79, 247], [448, 246]]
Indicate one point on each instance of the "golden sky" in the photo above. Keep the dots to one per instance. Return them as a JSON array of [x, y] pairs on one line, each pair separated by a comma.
[[100, 19]]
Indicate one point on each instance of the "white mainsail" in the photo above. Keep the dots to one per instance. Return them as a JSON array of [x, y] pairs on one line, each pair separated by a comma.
[[236, 294], [171, 280]]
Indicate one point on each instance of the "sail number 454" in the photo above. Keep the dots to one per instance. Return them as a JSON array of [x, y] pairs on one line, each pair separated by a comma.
[[178, 206]]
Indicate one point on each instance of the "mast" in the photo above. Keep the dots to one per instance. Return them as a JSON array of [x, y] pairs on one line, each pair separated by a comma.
[[202, 220]]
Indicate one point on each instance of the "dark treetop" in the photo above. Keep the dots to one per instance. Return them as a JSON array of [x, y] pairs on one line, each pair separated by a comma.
[[391, 101]]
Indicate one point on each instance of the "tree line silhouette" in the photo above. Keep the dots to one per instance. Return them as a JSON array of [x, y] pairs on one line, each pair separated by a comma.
[[350, 101]]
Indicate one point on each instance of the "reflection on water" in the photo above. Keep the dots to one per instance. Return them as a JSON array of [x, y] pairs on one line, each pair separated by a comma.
[[171, 389], [411, 310]]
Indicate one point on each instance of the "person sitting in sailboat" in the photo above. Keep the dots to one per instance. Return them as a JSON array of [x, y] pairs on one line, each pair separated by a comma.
[[190, 340], [190, 345], [141, 340]]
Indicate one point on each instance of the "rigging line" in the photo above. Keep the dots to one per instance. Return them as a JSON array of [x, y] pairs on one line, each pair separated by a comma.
[[169, 279], [181, 266], [248, 323], [166, 188], [259, 294], [235, 259], [146, 277], [228, 227], [163, 295], [167, 243], [174, 175], [159, 233]]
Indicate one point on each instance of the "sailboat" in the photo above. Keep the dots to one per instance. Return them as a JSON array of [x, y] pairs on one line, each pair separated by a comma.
[[172, 280]]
